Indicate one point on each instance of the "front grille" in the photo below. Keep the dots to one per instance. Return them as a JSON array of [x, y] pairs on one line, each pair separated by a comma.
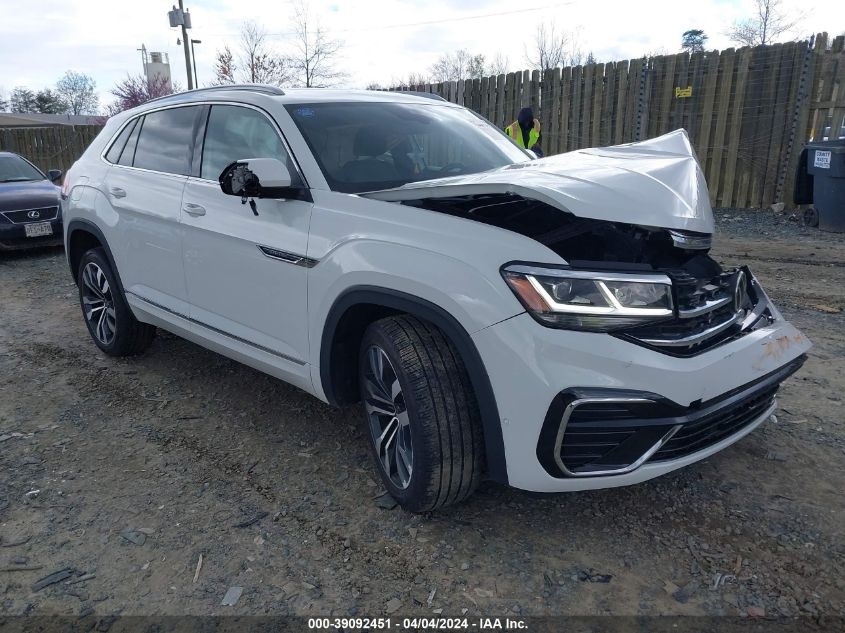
[[707, 314], [698, 435], [25, 216]]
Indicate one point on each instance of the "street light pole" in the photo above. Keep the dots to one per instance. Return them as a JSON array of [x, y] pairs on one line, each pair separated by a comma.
[[194, 56]]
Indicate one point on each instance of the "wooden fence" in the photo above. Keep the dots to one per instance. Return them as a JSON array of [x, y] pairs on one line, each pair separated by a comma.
[[747, 111], [54, 147]]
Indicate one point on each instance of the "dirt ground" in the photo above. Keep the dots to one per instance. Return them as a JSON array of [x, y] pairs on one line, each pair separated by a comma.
[[125, 472]]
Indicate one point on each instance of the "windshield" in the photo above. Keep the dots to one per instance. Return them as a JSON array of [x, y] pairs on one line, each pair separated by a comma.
[[371, 146], [16, 169]]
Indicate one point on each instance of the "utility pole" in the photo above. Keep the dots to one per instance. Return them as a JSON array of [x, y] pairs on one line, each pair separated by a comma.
[[178, 17], [186, 45]]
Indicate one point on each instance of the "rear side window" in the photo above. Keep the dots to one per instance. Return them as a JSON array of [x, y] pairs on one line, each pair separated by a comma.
[[164, 143], [113, 155], [128, 153], [234, 133]]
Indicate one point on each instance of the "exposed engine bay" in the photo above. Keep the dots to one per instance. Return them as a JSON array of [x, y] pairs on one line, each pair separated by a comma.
[[712, 305]]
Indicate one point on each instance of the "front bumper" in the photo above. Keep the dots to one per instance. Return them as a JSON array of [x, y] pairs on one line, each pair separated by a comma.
[[13, 236], [530, 366]]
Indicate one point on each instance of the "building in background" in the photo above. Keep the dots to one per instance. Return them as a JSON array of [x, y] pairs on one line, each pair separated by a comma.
[[156, 65]]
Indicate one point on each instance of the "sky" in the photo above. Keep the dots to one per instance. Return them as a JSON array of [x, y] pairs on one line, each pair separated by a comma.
[[384, 40]]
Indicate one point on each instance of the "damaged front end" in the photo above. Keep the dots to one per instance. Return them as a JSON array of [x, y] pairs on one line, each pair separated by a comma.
[[632, 225]]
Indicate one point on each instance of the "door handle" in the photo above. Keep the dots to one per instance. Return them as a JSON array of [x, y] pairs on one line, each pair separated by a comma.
[[195, 210], [117, 192]]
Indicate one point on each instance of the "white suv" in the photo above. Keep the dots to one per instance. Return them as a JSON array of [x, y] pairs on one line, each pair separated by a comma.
[[552, 324]]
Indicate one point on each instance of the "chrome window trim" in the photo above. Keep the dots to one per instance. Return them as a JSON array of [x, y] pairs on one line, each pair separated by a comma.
[[208, 102], [564, 421]]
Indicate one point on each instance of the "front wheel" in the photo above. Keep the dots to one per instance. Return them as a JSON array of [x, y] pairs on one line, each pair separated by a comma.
[[421, 413], [110, 322]]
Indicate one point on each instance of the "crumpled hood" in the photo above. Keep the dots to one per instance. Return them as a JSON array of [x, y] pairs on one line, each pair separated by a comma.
[[656, 183]]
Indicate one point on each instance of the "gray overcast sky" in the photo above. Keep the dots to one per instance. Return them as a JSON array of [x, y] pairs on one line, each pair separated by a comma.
[[384, 39]]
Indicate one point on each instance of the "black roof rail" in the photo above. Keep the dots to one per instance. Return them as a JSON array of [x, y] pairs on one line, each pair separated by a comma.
[[262, 88]]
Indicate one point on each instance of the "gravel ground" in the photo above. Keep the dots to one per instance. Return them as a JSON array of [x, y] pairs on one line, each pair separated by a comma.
[[125, 472]]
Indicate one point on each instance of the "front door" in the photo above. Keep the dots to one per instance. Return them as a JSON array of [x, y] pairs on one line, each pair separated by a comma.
[[246, 273]]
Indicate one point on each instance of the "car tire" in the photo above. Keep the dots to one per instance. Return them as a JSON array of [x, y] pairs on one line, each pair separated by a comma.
[[418, 400], [110, 322]]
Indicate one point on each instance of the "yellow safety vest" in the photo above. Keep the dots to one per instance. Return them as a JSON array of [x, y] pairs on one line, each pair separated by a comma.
[[515, 132]]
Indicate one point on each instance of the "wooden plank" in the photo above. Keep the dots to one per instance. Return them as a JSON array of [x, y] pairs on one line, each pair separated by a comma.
[[608, 105], [668, 94], [500, 101], [705, 131], [620, 113], [484, 87], [772, 126], [525, 101], [573, 139], [677, 105], [691, 119], [656, 69], [598, 98], [565, 107], [727, 195], [586, 106], [632, 99], [755, 127], [801, 116], [790, 66], [552, 136], [723, 100], [534, 93]]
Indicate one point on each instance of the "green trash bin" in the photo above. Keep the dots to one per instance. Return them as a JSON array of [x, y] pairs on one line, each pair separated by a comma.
[[826, 166]]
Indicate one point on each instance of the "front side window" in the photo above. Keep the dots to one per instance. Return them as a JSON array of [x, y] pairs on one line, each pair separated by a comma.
[[366, 146], [164, 143], [15, 169], [234, 133]]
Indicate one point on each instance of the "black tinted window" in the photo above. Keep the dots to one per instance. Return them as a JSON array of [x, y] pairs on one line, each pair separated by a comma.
[[14, 168], [128, 152], [113, 155], [234, 133], [165, 140]]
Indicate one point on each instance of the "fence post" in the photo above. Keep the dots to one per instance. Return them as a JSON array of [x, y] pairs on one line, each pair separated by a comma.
[[800, 113]]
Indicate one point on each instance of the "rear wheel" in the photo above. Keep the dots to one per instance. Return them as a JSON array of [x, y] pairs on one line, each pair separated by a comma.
[[421, 413], [110, 322]]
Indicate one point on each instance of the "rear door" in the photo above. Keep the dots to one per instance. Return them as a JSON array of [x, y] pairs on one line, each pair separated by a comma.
[[246, 273], [144, 187]]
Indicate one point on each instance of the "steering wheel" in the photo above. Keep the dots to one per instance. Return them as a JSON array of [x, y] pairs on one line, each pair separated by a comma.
[[452, 167]]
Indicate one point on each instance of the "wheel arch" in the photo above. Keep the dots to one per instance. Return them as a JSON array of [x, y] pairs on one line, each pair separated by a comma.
[[359, 306], [82, 236]]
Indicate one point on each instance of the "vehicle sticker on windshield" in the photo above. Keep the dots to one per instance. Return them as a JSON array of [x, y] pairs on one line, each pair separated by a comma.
[[305, 112]]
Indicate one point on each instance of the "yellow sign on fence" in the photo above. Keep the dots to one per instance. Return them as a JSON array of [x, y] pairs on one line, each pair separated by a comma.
[[681, 93]]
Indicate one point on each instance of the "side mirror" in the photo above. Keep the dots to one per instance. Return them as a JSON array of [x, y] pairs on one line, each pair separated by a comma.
[[257, 178], [55, 176]]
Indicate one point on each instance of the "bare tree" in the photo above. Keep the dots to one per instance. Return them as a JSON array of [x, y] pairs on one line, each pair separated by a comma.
[[551, 48], [769, 22], [78, 91], [256, 60], [499, 65], [458, 65], [314, 62]]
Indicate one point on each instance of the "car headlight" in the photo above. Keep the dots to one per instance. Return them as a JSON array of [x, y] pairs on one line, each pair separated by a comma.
[[590, 301]]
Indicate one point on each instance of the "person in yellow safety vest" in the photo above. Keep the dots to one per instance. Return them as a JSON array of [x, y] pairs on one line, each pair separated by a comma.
[[526, 127]]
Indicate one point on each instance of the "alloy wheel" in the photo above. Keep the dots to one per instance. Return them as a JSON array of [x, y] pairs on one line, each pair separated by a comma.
[[388, 419], [98, 303]]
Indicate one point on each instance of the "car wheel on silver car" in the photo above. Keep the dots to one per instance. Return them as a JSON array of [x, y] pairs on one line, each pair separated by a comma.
[[421, 413], [109, 319]]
